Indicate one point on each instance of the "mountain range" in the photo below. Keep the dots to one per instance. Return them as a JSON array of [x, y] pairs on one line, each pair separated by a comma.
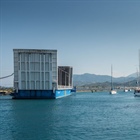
[[87, 78]]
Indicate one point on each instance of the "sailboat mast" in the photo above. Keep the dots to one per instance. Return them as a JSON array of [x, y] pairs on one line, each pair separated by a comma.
[[124, 82], [111, 78], [139, 70]]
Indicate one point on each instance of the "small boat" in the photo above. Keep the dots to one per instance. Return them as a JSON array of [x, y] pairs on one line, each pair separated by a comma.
[[137, 92], [125, 90], [112, 91]]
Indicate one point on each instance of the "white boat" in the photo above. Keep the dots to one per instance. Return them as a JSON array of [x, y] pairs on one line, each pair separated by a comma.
[[125, 90], [137, 90], [112, 91]]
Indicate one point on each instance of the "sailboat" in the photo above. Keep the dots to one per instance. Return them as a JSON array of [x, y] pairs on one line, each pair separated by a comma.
[[112, 91], [125, 90], [137, 90]]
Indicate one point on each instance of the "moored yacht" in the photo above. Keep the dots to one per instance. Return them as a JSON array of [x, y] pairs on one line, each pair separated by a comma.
[[112, 91], [125, 90]]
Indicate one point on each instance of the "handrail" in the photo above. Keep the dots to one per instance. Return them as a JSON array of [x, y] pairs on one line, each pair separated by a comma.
[[7, 76]]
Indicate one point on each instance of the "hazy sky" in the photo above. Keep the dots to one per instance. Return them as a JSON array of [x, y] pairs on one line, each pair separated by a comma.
[[89, 35]]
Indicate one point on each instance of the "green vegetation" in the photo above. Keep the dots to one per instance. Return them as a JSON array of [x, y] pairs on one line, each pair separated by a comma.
[[93, 87]]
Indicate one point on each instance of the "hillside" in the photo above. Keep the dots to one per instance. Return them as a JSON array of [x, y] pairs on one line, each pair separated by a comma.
[[87, 78]]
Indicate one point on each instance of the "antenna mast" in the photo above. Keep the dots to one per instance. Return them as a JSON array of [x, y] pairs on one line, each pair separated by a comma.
[[111, 77], [139, 70]]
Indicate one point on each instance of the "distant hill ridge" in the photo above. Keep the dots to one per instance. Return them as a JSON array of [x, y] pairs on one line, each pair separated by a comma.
[[88, 78]]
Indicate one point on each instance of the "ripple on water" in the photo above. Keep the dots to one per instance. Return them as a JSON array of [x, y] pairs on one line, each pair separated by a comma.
[[79, 117]]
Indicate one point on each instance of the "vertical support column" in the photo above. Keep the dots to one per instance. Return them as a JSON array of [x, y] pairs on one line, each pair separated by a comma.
[[29, 73], [56, 71], [25, 71], [69, 77], [50, 72], [65, 78], [19, 77], [40, 73], [44, 71], [34, 72], [35, 84]]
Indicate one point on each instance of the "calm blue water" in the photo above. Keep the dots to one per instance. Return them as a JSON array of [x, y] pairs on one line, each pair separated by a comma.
[[83, 116]]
